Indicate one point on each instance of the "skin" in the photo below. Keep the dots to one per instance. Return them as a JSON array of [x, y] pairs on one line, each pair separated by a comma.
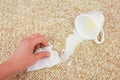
[[24, 56]]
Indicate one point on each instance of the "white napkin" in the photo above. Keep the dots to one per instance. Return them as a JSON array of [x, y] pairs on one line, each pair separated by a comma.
[[46, 62]]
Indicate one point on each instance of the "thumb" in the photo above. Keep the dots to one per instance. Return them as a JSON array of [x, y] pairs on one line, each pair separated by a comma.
[[42, 55]]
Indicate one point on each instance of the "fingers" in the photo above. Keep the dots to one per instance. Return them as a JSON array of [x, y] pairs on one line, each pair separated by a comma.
[[38, 39], [42, 55], [39, 46]]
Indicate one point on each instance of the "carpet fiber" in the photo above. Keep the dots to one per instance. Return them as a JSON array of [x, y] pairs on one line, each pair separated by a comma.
[[55, 20]]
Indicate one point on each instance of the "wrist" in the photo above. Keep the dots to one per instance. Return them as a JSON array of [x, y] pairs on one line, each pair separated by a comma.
[[12, 67], [9, 67]]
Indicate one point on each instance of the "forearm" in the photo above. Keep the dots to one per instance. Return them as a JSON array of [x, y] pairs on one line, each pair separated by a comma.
[[6, 70]]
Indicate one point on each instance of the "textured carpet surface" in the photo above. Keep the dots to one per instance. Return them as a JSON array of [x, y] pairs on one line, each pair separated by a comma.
[[55, 20]]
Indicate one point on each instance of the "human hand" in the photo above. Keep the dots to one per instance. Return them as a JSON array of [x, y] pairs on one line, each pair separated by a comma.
[[24, 55]]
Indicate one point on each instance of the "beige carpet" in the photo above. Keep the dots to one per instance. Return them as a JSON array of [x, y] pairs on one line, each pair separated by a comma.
[[55, 20]]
